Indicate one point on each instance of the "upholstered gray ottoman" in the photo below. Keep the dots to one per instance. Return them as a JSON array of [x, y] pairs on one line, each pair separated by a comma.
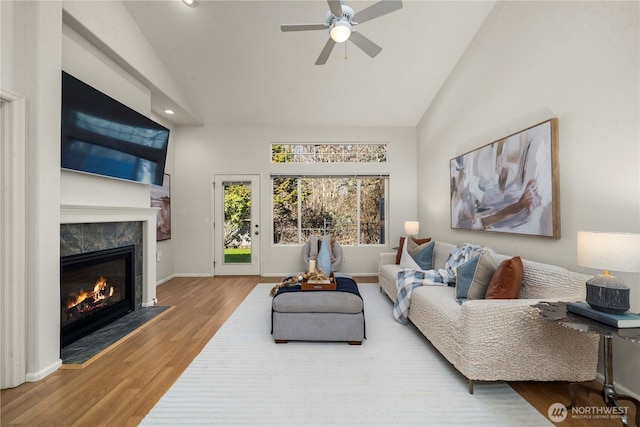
[[319, 315]]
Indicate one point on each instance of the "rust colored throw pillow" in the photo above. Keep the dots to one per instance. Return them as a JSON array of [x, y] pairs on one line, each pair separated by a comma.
[[507, 280], [418, 241]]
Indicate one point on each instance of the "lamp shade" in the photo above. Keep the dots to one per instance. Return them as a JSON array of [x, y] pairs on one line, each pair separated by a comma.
[[412, 228], [609, 251]]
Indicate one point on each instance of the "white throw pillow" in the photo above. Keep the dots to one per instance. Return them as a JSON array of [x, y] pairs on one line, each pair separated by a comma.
[[407, 261]]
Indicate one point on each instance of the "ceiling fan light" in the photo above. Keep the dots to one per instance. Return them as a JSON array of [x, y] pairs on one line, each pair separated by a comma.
[[190, 3], [340, 31]]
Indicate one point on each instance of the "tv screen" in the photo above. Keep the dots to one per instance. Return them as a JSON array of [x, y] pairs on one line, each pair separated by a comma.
[[104, 137]]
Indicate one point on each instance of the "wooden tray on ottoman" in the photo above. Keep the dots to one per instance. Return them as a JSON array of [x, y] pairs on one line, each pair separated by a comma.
[[306, 286], [319, 285]]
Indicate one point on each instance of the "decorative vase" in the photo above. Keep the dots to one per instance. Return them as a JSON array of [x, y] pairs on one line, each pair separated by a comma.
[[324, 258]]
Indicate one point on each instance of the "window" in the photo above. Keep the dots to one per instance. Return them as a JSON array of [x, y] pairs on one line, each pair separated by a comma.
[[350, 208], [329, 153]]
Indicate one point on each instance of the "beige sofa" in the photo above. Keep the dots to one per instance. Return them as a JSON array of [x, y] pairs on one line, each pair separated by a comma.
[[501, 340]]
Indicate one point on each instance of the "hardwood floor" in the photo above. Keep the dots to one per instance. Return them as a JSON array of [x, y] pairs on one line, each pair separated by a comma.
[[120, 387]]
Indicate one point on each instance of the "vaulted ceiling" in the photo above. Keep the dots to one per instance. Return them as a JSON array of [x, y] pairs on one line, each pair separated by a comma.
[[236, 67]]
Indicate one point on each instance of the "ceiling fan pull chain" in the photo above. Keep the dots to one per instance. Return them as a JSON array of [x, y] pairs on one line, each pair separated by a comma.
[[345, 51]]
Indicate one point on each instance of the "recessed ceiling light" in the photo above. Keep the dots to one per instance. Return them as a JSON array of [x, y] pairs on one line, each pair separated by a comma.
[[168, 111], [190, 3]]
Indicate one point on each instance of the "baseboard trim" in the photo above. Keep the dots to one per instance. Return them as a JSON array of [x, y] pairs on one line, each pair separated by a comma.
[[32, 377], [192, 275], [166, 279]]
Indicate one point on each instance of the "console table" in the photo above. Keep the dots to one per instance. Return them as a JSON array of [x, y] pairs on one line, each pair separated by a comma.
[[557, 311]]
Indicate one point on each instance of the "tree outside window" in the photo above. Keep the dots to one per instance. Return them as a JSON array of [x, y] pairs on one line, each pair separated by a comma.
[[349, 208]]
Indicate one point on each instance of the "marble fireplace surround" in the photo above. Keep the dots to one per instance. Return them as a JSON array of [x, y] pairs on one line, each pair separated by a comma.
[[84, 214]]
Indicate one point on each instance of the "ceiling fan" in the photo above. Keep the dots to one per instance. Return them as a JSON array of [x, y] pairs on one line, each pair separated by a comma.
[[341, 21]]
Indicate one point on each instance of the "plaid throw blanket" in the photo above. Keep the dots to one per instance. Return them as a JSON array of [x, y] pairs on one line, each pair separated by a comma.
[[408, 279]]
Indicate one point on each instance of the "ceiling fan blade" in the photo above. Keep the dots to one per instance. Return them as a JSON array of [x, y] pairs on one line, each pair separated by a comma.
[[326, 51], [335, 6], [369, 47], [303, 27], [377, 9]]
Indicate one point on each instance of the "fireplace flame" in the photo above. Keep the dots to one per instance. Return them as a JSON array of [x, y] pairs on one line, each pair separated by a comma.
[[101, 291]]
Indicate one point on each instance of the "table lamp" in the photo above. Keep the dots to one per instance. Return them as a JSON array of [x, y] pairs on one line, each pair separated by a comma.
[[609, 251], [411, 228]]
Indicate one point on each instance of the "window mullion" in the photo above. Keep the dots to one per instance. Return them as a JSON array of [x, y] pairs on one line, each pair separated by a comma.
[[358, 198], [299, 181]]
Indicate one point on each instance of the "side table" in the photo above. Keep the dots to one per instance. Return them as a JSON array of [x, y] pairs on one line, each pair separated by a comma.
[[557, 311]]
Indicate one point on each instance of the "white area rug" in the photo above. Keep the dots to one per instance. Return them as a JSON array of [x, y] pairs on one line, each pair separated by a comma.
[[395, 378]]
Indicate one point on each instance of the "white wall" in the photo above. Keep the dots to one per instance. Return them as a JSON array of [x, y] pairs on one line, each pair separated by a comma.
[[204, 151], [110, 27], [165, 268], [34, 51], [86, 62], [579, 62], [118, 60], [30, 31]]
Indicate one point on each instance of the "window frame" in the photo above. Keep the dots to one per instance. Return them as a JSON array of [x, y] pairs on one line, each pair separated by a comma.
[[327, 146], [299, 177]]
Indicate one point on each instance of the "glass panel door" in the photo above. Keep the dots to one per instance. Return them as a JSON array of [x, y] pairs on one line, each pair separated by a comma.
[[236, 227]]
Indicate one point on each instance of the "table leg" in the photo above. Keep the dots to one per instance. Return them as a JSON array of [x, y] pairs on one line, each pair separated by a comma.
[[625, 416], [608, 392]]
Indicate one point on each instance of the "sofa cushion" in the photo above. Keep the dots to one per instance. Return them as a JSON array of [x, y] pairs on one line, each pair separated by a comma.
[[473, 277], [317, 302], [401, 245], [421, 254], [507, 280]]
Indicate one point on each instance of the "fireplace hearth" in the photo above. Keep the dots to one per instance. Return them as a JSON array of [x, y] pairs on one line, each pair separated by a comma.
[[96, 288]]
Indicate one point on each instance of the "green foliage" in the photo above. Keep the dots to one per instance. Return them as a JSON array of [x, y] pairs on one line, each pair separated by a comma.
[[237, 255], [281, 153], [237, 211], [285, 208], [237, 203]]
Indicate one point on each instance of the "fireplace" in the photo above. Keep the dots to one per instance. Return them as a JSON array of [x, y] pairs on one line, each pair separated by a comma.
[[96, 288]]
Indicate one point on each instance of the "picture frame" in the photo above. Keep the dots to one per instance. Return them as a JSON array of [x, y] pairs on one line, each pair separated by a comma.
[[510, 185], [161, 198]]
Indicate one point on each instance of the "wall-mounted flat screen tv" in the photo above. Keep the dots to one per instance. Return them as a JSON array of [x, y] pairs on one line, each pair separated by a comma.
[[104, 137]]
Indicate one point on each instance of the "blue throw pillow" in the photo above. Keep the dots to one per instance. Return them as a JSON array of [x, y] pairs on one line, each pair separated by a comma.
[[421, 254], [473, 277]]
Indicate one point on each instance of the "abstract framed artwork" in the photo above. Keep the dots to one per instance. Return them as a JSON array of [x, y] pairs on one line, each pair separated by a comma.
[[510, 185], [161, 198]]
